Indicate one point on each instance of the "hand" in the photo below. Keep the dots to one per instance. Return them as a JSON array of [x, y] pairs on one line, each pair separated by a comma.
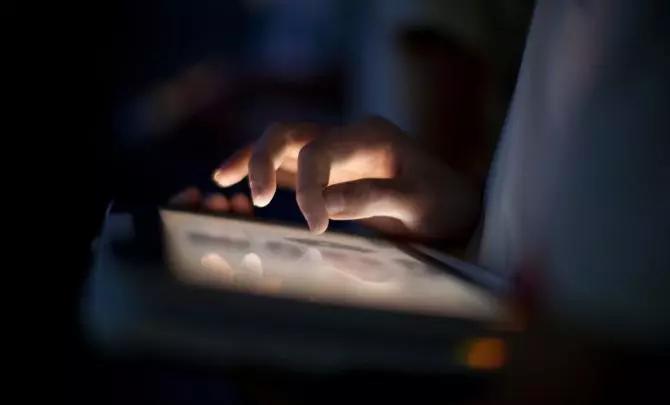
[[193, 198], [368, 170]]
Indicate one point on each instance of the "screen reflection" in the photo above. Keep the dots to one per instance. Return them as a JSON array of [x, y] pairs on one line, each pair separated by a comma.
[[331, 268]]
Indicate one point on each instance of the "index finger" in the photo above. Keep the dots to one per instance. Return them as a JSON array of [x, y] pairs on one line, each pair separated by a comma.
[[261, 160], [278, 142], [315, 163], [234, 169]]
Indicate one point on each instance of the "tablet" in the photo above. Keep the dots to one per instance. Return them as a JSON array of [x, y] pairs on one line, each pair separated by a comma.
[[334, 268], [224, 290]]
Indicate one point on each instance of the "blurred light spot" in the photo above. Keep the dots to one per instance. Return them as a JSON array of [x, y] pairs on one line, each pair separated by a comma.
[[213, 261], [486, 353], [313, 255], [253, 263]]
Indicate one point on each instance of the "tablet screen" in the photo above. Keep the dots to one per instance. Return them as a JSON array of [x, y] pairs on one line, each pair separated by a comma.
[[269, 259]]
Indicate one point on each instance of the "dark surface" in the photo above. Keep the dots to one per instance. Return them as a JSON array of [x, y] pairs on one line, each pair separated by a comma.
[[144, 381]]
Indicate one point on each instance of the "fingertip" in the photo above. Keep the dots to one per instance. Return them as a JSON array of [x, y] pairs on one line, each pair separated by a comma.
[[262, 181], [241, 205], [261, 194], [335, 203], [317, 224], [223, 179], [313, 208], [261, 200], [319, 228], [233, 170], [190, 196], [217, 202]]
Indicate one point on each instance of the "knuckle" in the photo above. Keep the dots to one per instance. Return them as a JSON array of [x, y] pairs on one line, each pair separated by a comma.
[[366, 188], [362, 191], [259, 154], [375, 193], [274, 133], [310, 151], [347, 192], [389, 192], [282, 132]]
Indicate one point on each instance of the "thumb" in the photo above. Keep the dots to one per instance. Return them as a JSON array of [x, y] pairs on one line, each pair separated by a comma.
[[372, 198]]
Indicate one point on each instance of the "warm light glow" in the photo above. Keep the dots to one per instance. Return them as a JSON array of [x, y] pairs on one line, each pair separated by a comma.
[[486, 353]]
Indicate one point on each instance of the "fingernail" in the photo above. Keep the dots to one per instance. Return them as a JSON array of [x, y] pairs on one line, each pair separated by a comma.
[[334, 203], [257, 194], [219, 178], [315, 225]]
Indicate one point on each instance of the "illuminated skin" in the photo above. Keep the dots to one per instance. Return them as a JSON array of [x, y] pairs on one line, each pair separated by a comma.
[[193, 198], [368, 171]]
